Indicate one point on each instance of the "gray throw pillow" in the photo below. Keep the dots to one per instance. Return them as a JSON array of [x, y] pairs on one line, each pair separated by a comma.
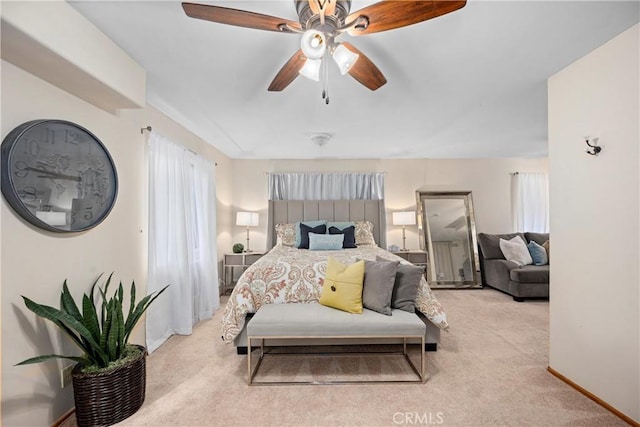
[[379, 279], [405, 289]]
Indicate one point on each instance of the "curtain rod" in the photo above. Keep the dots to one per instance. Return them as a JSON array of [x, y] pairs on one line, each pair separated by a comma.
[[149, 129]]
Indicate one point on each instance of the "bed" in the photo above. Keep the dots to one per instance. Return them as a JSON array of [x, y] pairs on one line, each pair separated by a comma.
[[290, 275]]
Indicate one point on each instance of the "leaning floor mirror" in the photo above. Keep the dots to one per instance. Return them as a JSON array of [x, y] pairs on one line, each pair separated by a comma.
[[448, 233]]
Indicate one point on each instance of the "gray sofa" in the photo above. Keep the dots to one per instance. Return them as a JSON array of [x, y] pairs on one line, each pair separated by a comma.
[[526, 282]]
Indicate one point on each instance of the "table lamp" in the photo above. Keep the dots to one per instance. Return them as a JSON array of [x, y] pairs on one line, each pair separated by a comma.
[[404, 219], [248, 219]]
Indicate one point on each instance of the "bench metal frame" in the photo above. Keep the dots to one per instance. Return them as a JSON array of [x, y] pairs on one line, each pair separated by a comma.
[[420, 372]]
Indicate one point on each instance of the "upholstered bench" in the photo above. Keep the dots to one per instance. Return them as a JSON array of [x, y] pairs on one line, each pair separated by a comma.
[[328, 325]]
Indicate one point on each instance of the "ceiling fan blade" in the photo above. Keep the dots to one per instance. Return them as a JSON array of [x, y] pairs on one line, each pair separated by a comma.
[[365, 71], [240, 18], [390, 14], [288, 72]]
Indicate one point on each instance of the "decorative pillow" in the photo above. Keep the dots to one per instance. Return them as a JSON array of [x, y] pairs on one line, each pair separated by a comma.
[[342, 288], [304, 234], [349, 234], [545, 245], [286, 234], [364, 233], [379, 279], [515, 250], [307, 223], [538, 253], [405, 288], [340, 224], [325, 242]]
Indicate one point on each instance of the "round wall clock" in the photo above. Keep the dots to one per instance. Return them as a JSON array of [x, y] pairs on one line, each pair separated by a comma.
[[58, 176]]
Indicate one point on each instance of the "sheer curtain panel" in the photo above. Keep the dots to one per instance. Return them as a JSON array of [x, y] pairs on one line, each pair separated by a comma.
[[530, 202], [326, 186], [182, 239]]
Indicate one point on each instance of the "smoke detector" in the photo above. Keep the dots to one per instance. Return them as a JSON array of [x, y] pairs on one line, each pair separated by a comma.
[[321, 138]]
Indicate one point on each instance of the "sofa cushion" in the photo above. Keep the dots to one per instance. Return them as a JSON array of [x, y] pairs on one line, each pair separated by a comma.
[[490, 244], [538, 253], [516, 250], [530, 274], [539, 238]]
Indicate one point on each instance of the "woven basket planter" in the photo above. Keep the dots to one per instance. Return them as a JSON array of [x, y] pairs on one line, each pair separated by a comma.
[[103, 399]]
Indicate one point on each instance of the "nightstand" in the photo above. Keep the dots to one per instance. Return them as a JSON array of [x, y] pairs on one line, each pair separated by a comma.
[[416, 257], [234, 261]]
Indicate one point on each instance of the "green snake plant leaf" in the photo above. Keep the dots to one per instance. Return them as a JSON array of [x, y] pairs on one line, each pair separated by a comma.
[[68, 304], [39, 359], [120, 323], [112, 339], [90, 317], [133, 298], [55, 315], [93, 287]]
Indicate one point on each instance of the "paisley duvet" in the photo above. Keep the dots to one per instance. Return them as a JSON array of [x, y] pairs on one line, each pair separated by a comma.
[[289, 275]]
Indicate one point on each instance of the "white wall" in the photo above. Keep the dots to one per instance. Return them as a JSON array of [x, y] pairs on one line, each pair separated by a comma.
[[488, 179], [35, 263], [595, 280]]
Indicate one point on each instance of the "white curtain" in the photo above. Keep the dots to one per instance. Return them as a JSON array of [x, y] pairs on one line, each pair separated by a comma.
[[444, 261], [326, 186], [530, 202], [182, 240]]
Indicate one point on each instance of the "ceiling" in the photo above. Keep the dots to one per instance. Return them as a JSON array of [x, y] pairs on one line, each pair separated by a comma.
[[470, 84]]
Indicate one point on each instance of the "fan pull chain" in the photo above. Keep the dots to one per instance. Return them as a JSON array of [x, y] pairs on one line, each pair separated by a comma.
[[325, 80]]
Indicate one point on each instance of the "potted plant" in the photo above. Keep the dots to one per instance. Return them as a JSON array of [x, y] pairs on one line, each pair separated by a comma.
[[109, 379], [238, 248]]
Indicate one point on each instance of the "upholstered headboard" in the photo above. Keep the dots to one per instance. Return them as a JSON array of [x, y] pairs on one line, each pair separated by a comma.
[[283, 211]]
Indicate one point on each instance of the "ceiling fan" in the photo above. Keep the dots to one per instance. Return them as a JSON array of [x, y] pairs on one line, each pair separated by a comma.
[[321, 22]]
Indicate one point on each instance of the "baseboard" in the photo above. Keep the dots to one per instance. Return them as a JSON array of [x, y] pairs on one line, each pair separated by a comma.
[[63, 419], [593, 397]]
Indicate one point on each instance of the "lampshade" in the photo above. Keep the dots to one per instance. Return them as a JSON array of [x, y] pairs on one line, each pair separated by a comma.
[[344, 58], [313, 44], [249, 219], [404, 218], [311, 69]]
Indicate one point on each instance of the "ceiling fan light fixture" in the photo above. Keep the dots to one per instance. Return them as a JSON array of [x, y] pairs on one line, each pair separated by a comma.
[[311, 69], [313, 44], [344, 58]]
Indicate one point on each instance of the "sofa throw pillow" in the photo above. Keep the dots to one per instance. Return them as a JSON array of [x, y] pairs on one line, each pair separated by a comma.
[[286, 234], [406, 286], [307, 223], [379, 279], [304, 234], [349, 233], [342, 287], [545, 245], [538, 253], [325, 242], [364, 233], [515, 250]]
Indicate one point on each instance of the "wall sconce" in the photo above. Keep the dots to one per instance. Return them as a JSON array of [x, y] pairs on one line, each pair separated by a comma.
[[594, 148], [403, 219], [248, 219]]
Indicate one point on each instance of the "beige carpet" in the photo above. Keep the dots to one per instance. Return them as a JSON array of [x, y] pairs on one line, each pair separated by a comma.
[[489, 370]]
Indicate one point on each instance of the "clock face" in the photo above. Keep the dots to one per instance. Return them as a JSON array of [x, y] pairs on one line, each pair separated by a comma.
[[58, 175]]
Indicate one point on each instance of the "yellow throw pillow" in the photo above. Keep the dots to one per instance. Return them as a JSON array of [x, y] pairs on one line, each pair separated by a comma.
[[342, 288]]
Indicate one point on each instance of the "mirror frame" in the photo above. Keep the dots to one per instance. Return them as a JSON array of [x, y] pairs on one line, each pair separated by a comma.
[[426, 244]]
